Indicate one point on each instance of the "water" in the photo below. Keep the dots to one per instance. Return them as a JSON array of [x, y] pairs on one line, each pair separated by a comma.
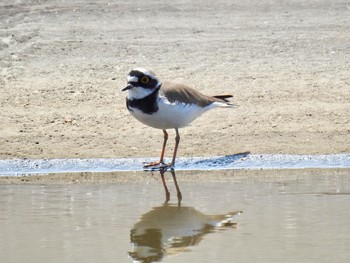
[[272, 216], [14, 167]]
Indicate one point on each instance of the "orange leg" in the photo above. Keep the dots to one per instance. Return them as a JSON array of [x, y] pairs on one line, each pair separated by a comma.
[[161, 162], [177, 141]]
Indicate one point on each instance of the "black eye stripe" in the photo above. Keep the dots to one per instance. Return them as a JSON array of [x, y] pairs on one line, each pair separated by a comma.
[[141, 75], [150, 84]]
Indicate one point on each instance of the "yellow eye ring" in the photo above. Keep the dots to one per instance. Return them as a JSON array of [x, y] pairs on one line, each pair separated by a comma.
[[144, 80]]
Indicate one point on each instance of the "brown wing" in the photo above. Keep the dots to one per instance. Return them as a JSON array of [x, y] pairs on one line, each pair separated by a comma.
[[181, 93]]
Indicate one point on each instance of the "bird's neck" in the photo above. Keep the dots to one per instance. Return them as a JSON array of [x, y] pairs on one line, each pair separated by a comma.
[[147, 104]]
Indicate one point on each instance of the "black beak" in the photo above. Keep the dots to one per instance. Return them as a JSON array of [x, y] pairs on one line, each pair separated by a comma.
[[128, 87]]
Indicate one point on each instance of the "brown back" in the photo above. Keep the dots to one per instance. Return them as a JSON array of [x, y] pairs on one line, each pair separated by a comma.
[[181, 93]]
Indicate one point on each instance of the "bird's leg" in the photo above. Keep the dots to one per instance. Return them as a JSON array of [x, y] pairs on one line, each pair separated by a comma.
[[163, 148], [161, 162], [167, 193], [177, 141], [178, 191]]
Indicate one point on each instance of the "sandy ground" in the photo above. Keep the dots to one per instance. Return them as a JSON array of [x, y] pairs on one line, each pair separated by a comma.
[[63, 64]]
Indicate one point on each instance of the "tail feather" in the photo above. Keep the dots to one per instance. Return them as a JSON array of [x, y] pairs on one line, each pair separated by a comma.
[[225, 101], [223, 97]]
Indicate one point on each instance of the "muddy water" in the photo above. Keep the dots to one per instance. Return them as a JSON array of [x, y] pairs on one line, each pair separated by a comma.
[[247, 216]]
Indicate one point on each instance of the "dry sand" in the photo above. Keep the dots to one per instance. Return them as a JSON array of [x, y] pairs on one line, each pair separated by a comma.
[[63, 65]]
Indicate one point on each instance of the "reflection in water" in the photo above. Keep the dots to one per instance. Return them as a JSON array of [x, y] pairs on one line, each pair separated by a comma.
[[167, 193], [171, 229]]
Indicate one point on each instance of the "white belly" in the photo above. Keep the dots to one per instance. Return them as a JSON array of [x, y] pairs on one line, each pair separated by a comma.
[[170, 115]]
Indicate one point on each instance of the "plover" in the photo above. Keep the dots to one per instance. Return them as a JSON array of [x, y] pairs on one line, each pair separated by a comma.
[[166, 105]]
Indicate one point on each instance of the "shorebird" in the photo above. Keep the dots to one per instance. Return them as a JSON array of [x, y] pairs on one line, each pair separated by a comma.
[[166, 105]]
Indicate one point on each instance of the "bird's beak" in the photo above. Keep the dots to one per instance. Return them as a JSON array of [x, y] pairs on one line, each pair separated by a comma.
[[128, 87]]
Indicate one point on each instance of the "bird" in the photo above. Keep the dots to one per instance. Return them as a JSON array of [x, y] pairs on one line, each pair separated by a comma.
[[166, 105], [170, 229]]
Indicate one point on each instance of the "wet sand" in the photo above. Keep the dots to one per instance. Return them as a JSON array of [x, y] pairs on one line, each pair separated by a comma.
[[146, 178], [63, 65]]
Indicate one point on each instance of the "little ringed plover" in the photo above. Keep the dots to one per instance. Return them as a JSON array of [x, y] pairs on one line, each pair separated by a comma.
[[166, 105]]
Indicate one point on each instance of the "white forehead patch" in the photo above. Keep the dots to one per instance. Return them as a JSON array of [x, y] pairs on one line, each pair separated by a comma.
[[132, 79]]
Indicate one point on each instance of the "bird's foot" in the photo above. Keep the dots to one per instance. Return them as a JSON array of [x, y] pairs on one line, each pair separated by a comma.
[[158, 166], [155, 165]]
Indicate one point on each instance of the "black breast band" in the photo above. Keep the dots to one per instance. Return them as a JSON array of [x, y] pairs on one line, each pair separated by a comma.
[[147, 104]]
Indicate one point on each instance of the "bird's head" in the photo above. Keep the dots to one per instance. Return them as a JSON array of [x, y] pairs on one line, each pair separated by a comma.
[[141, 83]]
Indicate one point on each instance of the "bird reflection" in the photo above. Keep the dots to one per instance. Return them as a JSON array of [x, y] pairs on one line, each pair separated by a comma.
[[171, 228], [167, 193]]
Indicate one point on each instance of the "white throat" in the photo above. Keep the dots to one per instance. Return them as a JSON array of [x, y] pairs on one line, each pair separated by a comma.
[[138, 93]]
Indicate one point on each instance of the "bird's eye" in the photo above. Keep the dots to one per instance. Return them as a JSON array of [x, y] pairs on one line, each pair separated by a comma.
[[144, 80]]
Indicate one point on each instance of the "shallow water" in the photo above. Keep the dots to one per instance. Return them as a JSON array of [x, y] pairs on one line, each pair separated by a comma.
[[295, 216]]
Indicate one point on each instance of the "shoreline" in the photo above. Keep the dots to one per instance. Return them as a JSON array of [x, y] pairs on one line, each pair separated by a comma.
[[238, 162], [148, 177]]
